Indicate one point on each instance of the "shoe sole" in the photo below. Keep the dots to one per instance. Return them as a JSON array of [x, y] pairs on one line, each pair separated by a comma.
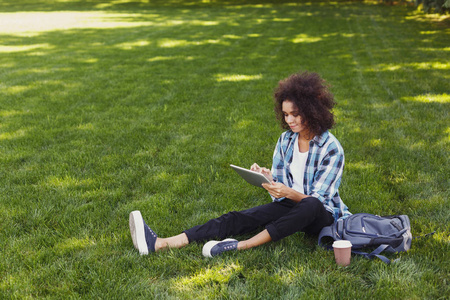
[[137, 232], [206, 251]]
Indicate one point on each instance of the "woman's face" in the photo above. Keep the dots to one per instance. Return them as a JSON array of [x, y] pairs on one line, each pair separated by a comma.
[[292, 117]]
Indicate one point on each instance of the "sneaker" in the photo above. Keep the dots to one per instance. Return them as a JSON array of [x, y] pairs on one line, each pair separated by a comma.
[[144, 238], [213, 248]]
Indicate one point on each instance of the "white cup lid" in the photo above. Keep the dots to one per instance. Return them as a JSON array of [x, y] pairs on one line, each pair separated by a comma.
[[342, 244]]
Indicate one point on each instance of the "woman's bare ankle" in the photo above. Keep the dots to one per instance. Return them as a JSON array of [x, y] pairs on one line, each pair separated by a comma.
[[160, 244], [242, 245], [177, 241]]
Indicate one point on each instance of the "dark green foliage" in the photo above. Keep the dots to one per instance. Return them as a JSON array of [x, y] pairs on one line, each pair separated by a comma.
[[436, 6]]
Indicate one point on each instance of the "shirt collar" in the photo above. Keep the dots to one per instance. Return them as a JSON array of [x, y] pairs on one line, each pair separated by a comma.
[[318, 139], [321, 139]]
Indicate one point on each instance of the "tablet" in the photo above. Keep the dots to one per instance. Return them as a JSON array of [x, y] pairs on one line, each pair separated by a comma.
[[251, 177]]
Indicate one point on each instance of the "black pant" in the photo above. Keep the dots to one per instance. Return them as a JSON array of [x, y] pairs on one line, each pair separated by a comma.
[[281, 219]]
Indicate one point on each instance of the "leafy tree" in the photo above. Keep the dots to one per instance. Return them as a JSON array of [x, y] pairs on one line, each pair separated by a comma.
[[437, 6]]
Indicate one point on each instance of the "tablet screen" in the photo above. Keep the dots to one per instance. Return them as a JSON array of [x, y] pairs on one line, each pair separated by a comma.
[[251, 177]]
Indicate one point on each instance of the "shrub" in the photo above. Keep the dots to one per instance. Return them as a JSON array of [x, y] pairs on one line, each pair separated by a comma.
[[436, 6]]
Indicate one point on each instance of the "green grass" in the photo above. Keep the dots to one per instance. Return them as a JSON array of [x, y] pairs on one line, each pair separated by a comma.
[[108, 107]]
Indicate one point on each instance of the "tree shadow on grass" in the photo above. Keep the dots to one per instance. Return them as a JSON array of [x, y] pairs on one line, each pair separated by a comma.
[[145, 109], [169, 64], [110, 90]]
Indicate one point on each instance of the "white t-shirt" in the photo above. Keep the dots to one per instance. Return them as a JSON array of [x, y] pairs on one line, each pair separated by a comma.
[[298, 167]]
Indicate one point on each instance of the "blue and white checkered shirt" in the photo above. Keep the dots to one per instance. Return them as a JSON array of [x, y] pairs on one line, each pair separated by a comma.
[[323, 169]]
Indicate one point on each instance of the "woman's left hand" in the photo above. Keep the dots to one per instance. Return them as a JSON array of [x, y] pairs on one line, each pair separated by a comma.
[[276, 189]]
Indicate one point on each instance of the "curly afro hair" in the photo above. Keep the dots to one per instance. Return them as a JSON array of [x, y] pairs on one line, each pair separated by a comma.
[[310, 94]]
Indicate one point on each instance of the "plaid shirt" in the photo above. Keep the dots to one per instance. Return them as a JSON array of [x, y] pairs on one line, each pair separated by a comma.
[[323, 169]]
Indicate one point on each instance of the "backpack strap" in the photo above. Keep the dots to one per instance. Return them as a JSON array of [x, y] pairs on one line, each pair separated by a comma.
[[381, 248], [327, 231], [422, 236], [375, 253]]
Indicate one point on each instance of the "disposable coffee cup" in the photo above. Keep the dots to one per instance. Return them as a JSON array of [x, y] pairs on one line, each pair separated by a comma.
[[342, 252]]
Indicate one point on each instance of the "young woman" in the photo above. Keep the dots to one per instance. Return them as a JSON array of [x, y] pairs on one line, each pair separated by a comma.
[[306, 173]]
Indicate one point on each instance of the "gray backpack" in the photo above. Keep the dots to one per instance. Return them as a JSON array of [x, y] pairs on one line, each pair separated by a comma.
[[385, 233]]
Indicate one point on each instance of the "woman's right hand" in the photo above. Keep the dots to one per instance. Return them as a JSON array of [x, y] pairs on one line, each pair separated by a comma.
[[266, 172]]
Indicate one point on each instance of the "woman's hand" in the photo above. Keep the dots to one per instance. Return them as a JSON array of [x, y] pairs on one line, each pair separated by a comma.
[[277, 189], [266, 172]]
